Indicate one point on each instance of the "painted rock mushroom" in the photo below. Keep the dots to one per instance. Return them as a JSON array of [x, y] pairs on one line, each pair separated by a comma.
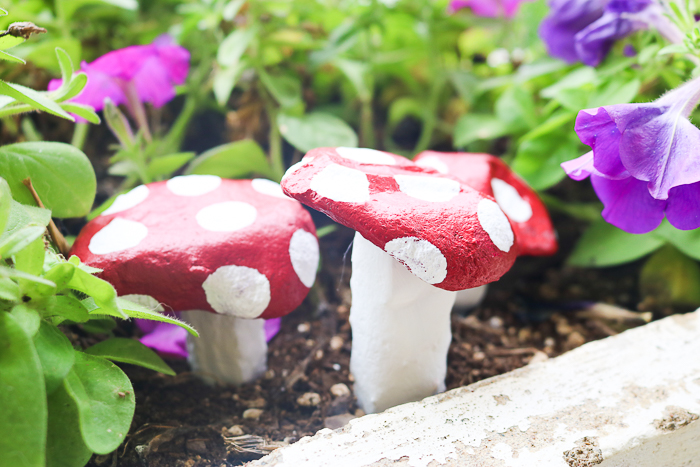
[[239, 249], [420, 236], [489, 174]]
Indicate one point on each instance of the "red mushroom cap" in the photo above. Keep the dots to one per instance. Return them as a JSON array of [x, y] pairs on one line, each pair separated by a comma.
[[489, 174], [199, 242], [444, 232]]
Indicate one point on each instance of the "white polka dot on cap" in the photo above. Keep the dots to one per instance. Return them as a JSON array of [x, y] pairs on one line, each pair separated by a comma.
[[341, 184], [421, 257], [496, 224], [228, 216], [433, 189], [237, 291], [304, 254], [127, 200], [508, 198], [120, 234], [366, 156], [193, 185]]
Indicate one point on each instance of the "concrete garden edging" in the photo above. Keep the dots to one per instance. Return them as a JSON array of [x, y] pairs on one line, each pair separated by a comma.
[[628, 400]]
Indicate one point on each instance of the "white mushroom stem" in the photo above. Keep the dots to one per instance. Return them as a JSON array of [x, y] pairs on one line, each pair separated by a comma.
[[469, 298], [228, 349], [400, 331]]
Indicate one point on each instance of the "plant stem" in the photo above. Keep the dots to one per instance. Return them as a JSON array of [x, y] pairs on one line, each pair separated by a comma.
[[79, 135], [137, 110], [58, 238]]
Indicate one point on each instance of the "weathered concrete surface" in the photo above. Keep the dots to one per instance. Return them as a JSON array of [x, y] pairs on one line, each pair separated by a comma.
[[627, 401]]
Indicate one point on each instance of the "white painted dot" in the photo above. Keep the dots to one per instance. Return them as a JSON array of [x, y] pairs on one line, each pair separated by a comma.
[[127, 200], [237, 291], [228, 216], [421, 257], [433, 189], [302, 163], [495, 223], [508, 198], [120, 234], [341, 184], [433, 162], [268, 187], [303, 251], [193, 185], [366, 156]]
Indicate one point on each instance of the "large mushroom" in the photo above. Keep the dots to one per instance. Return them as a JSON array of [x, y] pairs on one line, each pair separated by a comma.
[[223, 252], [419, 237], [489, 174]]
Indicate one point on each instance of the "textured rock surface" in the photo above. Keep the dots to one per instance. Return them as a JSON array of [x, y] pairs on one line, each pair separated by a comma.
[[629, 400]]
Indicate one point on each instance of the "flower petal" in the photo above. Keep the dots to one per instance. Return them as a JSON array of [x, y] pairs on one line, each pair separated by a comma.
[[628, 204], [683, 210], [565, 19], [167, 339], [594, 41], [597, 129], [579, 168]]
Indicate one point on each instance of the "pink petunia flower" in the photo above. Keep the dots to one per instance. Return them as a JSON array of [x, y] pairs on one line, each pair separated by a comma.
[[489, 8], [147, 73]]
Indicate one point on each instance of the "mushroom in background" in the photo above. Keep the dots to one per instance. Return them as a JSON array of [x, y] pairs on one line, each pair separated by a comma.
[[222, 252], [420, 236], [490, 175]]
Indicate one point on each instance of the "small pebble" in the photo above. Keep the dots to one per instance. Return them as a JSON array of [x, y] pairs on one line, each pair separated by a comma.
[[304, 328], [538, 357], [478, 356], [351, 377], [336, 366], [337, 421], [319, 354], [258, 403], [235, 430], [197, 446], [269, 374], [342, 309], [340, 390], [252, 414], [309, 399], [310, 342], [496, 322], [524, 334], [336, 343], [359, 413], [549, 342], [575, 339]]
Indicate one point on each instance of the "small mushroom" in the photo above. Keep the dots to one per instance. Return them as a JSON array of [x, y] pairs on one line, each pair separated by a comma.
[[419, 237], [489, 174], [223, 252]]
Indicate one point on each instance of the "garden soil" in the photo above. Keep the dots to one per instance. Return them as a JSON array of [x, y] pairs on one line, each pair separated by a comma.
[[536, 311]]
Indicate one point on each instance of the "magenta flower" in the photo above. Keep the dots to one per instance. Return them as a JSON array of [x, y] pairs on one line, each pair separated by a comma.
[[490, 8], [585, 30], [644, 162], [143, 73], [170, 340]]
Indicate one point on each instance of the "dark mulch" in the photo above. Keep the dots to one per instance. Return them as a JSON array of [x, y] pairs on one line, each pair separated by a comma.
[[531, 313]]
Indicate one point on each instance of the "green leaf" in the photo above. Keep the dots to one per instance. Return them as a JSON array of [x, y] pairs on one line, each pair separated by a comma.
[[603, 244], [286, 89], [358, 73], [671, 279], [225, 80], [474, 127], [69, 308], [66, 65], [673, 49], [234, 45], [23, 216], [576, 79], [314, 130], [61, 174], [33, 98], [10, 58], [8, 41], [516, 107], [22, 398], [119, 349], [48, 287], [27, 318], [9, 290], [70, 6], [31, 258], [5, 203], [538, 160], [165, 166], [232, 160], [55, 353], [42, 54], [71, 89], [64, 442], [101, 291], [19, 240], [60, 274], [134, 310], [687, 241], [105, 400]]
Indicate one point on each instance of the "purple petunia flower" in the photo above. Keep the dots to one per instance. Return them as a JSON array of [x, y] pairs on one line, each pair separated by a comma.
[[644, 162], [490, 8], [147, 72], [170, 340], [585, 30]]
